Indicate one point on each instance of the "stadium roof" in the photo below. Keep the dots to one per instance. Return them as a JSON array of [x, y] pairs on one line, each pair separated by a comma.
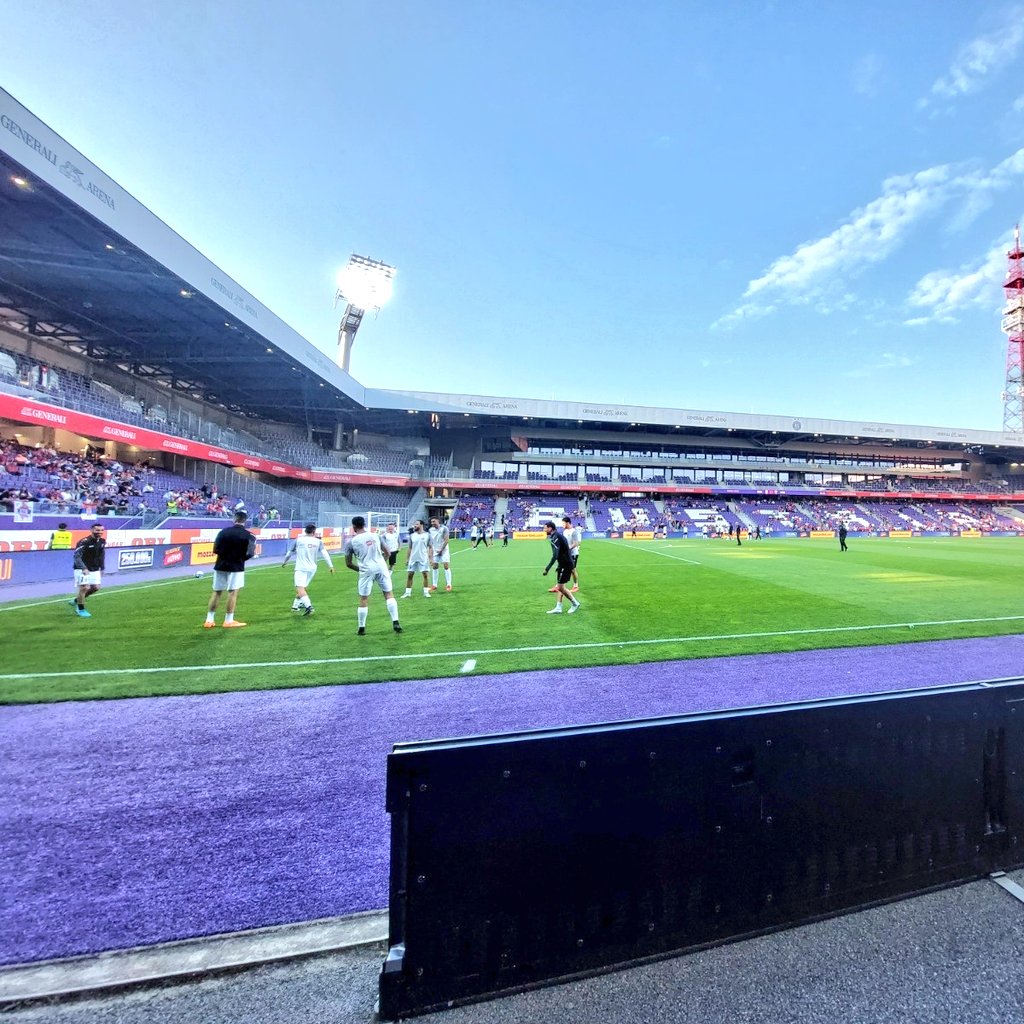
[[84, 264]]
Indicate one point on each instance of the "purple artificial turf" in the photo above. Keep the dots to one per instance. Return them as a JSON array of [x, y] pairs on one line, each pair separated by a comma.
[[129, 822]]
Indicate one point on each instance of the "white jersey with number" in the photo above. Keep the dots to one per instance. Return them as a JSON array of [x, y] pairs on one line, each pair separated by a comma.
[[306, 550], [439, 543], [366, 552]]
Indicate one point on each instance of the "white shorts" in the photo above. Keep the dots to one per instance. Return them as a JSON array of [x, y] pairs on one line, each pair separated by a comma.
[[228, 580], [84, 578], [442, 558], [303, 578], [417, 565], [379, 576]]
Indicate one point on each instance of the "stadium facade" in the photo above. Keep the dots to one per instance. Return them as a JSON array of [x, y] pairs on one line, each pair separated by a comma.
[[135, 341]]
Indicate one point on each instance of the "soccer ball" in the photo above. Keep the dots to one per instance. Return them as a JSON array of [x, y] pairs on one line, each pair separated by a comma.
[[200, 573]]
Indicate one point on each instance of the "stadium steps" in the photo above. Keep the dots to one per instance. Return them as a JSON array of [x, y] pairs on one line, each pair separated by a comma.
[[1010, 512], [500, 508], [417, 508], [740, 515]]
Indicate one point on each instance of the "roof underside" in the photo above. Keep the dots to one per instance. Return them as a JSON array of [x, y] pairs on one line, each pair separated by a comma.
[[65, 278]]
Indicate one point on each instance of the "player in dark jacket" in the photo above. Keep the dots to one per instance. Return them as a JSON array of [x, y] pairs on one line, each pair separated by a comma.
[[90, 561], [561, 554], [233, 546]]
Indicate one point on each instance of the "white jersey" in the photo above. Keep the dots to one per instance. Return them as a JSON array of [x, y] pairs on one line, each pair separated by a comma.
[[573, 535], [391, 542], [439, 543], [366, 552], [418, 546], [307, 549]]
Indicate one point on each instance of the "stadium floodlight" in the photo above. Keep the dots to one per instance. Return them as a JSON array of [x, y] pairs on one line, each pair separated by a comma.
[[363, 284]]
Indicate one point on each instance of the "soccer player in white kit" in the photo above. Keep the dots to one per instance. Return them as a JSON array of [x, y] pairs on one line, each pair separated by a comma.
[[439, 553], [390, 542], [418, 558], [363, 554], [574, 535], [306, 549]]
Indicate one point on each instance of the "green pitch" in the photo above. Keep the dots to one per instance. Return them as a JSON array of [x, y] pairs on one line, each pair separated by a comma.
[[642, 601]]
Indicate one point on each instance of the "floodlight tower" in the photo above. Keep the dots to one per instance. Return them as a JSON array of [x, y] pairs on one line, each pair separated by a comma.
[[362, 284]]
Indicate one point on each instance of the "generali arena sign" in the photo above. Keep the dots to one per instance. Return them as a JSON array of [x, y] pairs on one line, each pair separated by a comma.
[[24, 410]]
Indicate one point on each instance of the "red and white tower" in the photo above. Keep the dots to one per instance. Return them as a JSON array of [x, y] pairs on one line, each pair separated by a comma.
[[1013, 326]]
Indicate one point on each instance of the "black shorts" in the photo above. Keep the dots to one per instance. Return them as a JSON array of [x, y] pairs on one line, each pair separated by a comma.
[[575, 559], [392, 558], [564, 573]]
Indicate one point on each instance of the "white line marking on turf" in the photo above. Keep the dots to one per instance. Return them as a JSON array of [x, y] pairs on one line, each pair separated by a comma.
[[231, 666], [122, 588], [665, 554], [469, 665]]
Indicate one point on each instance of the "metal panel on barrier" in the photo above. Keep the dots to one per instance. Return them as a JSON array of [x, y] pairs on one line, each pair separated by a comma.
[[533, 857]]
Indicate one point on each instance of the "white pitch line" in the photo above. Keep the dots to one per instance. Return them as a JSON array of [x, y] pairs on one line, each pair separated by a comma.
[[232, 666], [123, 588], [665, 554], [469, 665]]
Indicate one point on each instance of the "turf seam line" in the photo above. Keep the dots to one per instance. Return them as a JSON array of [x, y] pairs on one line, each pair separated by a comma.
[[230, 666]]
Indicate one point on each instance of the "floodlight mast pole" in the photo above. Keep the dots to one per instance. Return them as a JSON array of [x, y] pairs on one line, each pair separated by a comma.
[[350, 321], [1013, 326], [363, 284]]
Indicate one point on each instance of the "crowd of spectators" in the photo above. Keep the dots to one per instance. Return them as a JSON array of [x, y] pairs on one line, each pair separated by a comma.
[[90, 483], [468, 510]]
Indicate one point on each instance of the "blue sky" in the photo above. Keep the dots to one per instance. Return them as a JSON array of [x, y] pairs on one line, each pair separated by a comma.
[[785, 207]]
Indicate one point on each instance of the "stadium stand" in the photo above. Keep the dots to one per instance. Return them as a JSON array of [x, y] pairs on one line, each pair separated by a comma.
[[531, 511], [466, 510], [615, 516]]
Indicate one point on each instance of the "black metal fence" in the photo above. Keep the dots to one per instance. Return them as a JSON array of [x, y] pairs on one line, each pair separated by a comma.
[[527, 858]]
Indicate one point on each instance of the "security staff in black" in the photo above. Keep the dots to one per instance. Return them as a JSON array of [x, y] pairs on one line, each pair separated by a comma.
[[90, 561], [561, 554], [233, 546], [842, 537]]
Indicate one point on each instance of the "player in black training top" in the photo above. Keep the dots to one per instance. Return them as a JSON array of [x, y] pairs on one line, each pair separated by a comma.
[[233, 546], [90, 561], [561, 554]]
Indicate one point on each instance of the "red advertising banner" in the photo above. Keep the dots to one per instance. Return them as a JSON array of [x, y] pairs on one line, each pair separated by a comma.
[[24, 410]]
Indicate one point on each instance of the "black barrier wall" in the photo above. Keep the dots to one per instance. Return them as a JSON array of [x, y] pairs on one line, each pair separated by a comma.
[[523, 859]]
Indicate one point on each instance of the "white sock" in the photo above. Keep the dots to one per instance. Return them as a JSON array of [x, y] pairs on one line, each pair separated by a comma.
[[408, 592], [304, 602], [392, 608], [295, 604], [433, 576], [209, 617], [361, 616], [230, 617], [426, 591], [448, 577]]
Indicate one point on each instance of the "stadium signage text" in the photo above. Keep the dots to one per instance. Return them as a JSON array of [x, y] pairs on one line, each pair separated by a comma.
[[124, 432], [29, 139], [46, 415], [135, 558], [173, 556]]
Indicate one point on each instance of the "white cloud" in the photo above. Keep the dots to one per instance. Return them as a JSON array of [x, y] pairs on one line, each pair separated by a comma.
[[942, 294], [1018, 105], [817, 271], [866, 76], [982, 57], [889, 361]]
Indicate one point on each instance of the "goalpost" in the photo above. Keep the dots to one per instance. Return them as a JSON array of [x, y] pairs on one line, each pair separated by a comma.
[[375, 521]]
